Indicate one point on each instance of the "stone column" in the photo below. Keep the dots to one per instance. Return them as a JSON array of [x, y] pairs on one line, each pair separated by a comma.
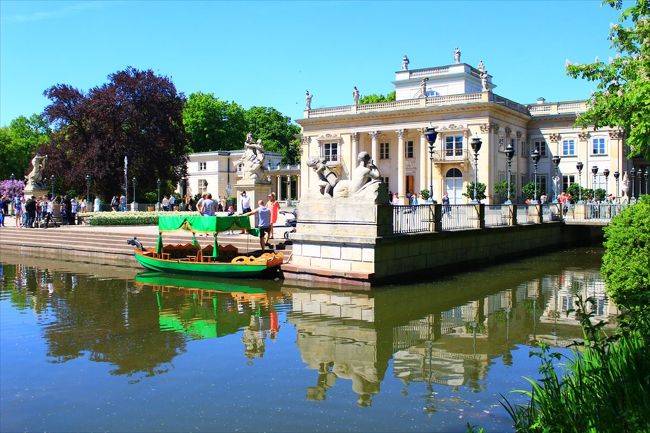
[[424, 161], [355, 149], [278, 180], [288, 187], [374, 135], [401, 181]]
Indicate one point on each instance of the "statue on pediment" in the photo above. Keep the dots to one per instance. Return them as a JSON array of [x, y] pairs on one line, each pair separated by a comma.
[[252, 160], [405, 63], [457, 55], [308, 97], [484, 81], [481, 66]]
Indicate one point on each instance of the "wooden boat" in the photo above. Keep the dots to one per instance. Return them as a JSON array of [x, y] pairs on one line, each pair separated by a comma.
[[213, 259]]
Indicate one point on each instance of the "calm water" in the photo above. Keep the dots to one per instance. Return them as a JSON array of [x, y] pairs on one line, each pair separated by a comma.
[[83, 349]]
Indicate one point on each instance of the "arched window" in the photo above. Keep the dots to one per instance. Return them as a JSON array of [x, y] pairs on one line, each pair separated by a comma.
[[454, 172], [454, 185]]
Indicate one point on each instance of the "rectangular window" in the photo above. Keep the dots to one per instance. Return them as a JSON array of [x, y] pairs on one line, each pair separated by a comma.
[[454, 145], [384, 150], [330, 151], [203, 186], [386, 180], [513, 143], [541, 147], [567, 181], [408, 149], [541, 183], [568, 148], [202, 166], [598, 146]]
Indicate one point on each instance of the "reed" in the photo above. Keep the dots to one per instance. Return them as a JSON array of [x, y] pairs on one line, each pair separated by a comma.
[[603, 387]]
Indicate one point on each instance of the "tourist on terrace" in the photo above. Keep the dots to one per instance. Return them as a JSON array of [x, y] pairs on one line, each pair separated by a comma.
[[263, 222], [209, 206], [274, 205]]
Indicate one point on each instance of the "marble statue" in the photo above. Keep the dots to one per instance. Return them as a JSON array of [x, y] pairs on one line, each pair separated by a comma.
[[308, 97], [625, 188], [355, 95], [405, 63], [35, 177], [365, 180], [481, 66], [327, 179], [484, 81], [252, 160], [423, 87], [457, 55]]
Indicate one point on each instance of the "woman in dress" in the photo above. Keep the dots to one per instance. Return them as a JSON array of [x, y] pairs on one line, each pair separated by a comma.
[[274, 205]]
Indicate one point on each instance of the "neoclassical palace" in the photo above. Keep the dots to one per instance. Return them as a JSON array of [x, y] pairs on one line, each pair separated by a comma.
[[459, 101]]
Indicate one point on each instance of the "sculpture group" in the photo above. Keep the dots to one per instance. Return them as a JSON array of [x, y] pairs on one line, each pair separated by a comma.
[[35, 177], [252, 161], [364, 183]]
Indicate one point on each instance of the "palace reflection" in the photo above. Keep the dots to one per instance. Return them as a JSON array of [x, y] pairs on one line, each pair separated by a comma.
[[434, 333]]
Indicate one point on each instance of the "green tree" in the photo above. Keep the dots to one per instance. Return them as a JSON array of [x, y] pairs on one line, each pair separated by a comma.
[[623, 92], [212, 124], [528, 190], [480, 191], [626, 262], [276, 130], [375, 99], [501, 188], [19, 142]]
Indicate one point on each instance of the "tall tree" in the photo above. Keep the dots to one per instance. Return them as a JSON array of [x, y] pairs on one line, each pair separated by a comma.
[[136, 114], [212, 124], [18, 143], [276, 130], [623, 95]]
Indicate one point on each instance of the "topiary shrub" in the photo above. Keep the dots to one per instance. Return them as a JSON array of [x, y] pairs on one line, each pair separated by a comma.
[[626, 262]]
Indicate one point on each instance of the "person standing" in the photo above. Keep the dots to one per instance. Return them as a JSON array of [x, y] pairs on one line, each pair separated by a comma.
[[245, 202], [30, 207], [172, 202], [165, 203], [50, 213], [2, 211], [209, 206], [72, 216], [199, 204], [274, 205], [263, 222], [446, 207], [97, 204], [123, 203]]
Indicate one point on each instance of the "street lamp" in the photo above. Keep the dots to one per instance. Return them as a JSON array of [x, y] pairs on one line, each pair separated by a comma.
[[535, 156], [476, 146], [510, 152], [158, 200], [51, 183], [134, 182], [594, 170], [579, 166], [606, 173], [556, 181], [616, 176], [632, 175], [12, 177], [647, 177], [430, 134], [88, 181]]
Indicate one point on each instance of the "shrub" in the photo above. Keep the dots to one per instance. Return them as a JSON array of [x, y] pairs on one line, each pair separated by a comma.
[[528, 190], [424, 194], [626, 262], [128, 218], [480, 191]]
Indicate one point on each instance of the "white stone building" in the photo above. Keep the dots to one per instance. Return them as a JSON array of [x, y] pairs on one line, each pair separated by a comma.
[[459, 101]]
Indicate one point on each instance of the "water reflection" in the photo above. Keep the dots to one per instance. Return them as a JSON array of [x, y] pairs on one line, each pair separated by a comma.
[[426, 348]]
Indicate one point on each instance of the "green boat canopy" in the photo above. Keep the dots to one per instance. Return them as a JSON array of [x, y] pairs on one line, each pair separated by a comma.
[[203, 224]]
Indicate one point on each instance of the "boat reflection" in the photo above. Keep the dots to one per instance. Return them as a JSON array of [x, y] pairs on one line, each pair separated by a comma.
[[201, 307], [434, 334]]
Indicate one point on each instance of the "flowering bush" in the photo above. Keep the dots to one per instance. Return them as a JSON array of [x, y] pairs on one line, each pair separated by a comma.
[[11, 188]]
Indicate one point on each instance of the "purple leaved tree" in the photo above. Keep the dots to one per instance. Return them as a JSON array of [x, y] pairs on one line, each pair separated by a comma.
[[11, 188]]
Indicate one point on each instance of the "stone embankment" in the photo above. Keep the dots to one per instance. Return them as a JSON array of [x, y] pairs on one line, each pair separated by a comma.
[[107, 245]]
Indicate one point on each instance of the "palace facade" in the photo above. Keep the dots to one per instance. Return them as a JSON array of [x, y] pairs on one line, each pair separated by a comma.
[[459, 101]]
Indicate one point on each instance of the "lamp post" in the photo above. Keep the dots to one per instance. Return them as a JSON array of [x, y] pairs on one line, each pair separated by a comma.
[[88, 181], [632, 175], [430, 134], [606, 173], [535, 156], [476, 146], [594, 171], [510, 152], [134, 182], [51, 183], [579, 166], [616, 176], [647, 177], [158, 200], [556, 180], [12, 177]]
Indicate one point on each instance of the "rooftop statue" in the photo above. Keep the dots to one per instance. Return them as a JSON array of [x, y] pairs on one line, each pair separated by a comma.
[[484, 80], [355, 95], [423, 87], [481, 66], [457, 55], [35, 177], [252, 160], [308, 97], [405, 63]]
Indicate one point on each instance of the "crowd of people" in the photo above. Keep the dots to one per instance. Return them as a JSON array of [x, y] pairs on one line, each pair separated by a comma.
[[38, 212]]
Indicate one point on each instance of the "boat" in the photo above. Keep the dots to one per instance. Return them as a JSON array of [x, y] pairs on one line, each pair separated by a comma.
[[211, 260]]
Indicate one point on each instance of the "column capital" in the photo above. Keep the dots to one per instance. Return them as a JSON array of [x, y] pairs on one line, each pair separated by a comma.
[[400, 133], [354, 136], [508, 131], [374, 134], [554, 138], [617, 135]]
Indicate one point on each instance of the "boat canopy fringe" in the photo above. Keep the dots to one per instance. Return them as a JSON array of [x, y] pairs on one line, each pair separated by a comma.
[[203, 224]]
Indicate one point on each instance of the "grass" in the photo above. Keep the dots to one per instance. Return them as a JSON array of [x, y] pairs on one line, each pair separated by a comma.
[[605, 386]]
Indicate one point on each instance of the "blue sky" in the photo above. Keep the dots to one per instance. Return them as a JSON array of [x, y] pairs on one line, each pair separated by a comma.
[[269, 53]]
